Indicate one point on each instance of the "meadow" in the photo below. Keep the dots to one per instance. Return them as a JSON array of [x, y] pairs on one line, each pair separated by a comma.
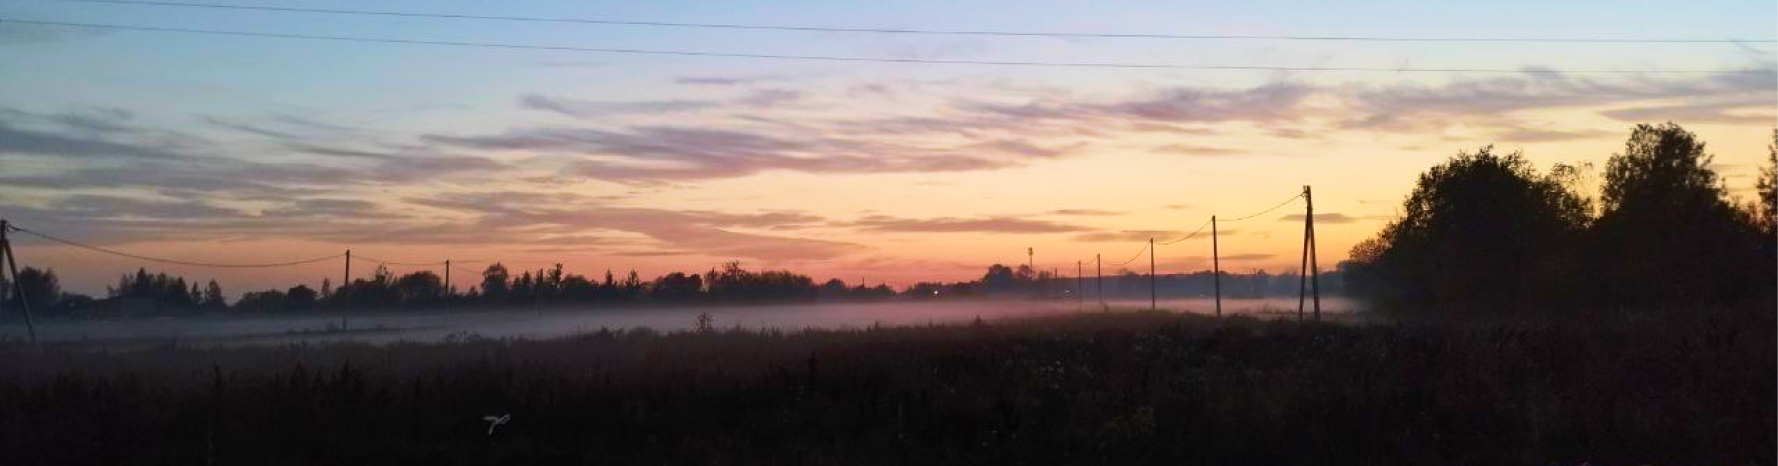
[[1666, 387]]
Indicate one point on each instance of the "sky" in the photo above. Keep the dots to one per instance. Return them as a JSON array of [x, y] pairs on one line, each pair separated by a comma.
[[248, 149]]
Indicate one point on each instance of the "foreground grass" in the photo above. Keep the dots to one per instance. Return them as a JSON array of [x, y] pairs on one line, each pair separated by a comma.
[[1096, 388]]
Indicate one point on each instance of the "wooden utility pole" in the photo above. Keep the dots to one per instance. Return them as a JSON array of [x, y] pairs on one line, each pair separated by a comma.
[[345, 285], [1151, 292], [1314, 270], [447, 278], [1216, 265], [1306, 271], [1099, 280], [18, 289], [1080, 300]]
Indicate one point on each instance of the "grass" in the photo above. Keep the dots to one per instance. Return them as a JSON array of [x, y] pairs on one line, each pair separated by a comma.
[[1091, 388]]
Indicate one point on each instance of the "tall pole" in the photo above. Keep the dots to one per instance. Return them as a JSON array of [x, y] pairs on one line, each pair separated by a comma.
[[1099, 280], [18, 289], [447, 278], [1314, 270], [1151, 294], [1031, 264], [1303, 268], [346, 285], [1080, 298], [1216, 265]]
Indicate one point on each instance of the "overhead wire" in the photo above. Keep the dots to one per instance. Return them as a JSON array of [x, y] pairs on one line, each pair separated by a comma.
[[1132, 257], [915, 31], [170, 261], [1190, 236], [835, 58], [1263, 212]]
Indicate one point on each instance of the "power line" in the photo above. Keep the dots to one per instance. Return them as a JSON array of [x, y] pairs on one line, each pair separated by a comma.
[[1193, 234], [1263, 212], [1133, 257], [400, 264], [170, 261], [950, 32], [831, 58]]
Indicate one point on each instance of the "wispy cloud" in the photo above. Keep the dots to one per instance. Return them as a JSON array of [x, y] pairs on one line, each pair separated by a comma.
[[1127, 235], [590, 109], [1730, 112], [725, 80], [1086, 212], [885, 223]]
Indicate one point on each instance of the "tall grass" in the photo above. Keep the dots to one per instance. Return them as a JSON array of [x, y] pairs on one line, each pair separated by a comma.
[[1094, 388]]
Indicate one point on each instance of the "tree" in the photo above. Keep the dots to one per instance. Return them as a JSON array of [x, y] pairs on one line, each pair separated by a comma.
[[1768, 191], [1667, 232], [999, 279], [420, 288], [40, 288], [213, 297], [1480, 231], [300, 298], [677, 286], [494, 280], [267, 301]]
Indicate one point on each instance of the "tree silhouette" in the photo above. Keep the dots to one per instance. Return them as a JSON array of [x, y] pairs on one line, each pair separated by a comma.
[[1768, 191], [41, 289], [1480, 231], [494, 280], [1667, 231]]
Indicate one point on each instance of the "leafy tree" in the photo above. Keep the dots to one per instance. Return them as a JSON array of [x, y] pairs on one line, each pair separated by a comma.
[[41, 290], [1767, 184], [422, 288], [300, 298], [1481, 231], [1667, 231], [213, 298], [999, 279], [677, 286], [268, 301], [494, 281]]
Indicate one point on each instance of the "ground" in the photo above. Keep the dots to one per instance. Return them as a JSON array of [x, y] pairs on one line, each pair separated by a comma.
[[1656, 388]]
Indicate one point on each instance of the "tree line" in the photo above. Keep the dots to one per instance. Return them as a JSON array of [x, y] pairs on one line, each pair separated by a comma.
[[144, 293], [1486, 232]]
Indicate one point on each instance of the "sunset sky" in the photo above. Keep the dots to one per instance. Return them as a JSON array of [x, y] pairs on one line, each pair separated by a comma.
[[239, 149]]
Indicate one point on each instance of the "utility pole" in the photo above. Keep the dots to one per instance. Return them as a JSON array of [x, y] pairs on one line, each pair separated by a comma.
[[18, 289], [1099, 280], [1151, 293], [1080, 299], [1302, 289], [1314, 270], [1216, 265], [345, 285], [448, 291]]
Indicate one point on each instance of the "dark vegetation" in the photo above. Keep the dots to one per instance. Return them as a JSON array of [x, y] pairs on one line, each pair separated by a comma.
[[145, 294], [1655, 388], [1486, 234]]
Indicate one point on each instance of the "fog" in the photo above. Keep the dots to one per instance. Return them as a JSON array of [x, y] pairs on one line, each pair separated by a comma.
[[374, 327]]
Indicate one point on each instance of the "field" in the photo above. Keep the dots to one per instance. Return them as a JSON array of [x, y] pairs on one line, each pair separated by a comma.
[[1118, 388]]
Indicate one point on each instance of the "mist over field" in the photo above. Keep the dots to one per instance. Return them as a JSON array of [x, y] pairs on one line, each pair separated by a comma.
[[434, 326]]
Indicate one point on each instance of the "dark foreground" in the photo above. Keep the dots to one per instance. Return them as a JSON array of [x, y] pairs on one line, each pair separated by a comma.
[[1110, 388]]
